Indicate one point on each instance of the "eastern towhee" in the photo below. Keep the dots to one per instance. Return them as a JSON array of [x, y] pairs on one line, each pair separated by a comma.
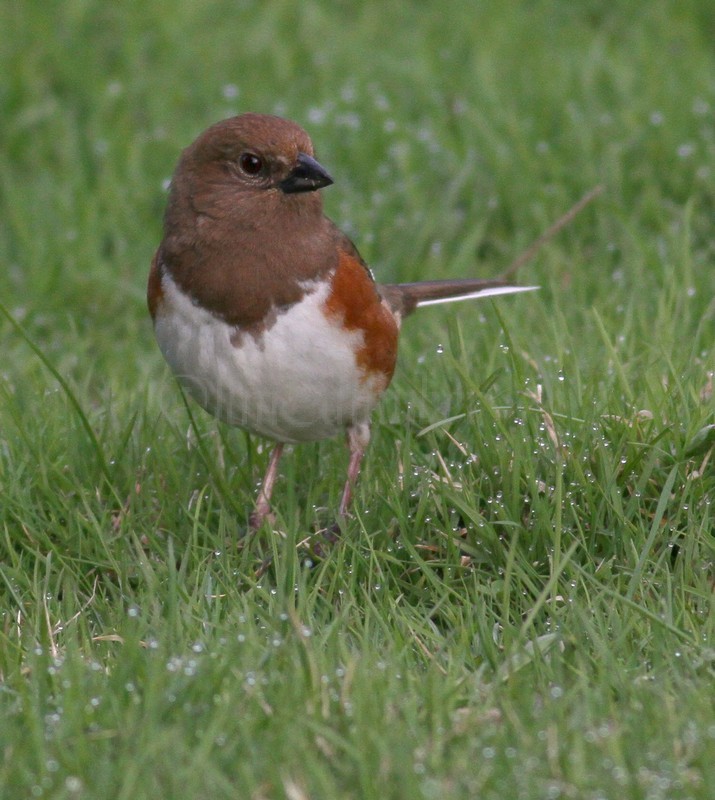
[[263, 308]]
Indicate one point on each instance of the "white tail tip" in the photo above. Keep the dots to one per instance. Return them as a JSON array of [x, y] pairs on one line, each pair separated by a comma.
[[491, 292]]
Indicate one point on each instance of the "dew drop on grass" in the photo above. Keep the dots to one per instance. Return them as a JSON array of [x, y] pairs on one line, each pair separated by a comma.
[[230, 91], [701, 107], [348, 93], [381, 102], [317, 115], [349, 120]]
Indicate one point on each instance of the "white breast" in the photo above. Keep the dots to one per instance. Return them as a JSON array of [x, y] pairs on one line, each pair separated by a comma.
[[298, 381]]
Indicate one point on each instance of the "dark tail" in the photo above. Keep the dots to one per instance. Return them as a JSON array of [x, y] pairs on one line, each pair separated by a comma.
[[406, 297]]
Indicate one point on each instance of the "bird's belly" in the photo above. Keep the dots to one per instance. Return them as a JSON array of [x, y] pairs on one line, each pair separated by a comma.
[[296, 381]]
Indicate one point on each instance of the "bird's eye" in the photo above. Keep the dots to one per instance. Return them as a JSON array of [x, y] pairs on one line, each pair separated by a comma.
[[250, 163]]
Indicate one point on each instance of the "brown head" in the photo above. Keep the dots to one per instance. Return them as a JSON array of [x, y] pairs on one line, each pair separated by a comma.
[[244, 225], [254, 157]]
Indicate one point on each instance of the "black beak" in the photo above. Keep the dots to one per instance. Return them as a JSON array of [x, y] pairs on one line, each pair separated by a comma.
[[307, 176]]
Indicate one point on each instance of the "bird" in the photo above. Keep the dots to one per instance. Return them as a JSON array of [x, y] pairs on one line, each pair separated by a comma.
[[264, 309]]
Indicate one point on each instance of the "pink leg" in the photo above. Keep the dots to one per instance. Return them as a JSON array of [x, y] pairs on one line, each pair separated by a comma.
[[263, 501], [358, 438]]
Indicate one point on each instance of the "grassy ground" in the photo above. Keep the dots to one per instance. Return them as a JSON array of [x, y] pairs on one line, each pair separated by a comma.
[[522, 606]]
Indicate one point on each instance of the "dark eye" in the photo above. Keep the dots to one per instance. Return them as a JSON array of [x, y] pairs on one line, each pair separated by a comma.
[[250, 163]]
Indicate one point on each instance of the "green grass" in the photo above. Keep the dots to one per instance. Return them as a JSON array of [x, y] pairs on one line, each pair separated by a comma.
[[522, 606]]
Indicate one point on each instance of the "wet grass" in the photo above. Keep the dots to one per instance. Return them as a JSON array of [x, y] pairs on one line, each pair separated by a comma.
[[523, 604]]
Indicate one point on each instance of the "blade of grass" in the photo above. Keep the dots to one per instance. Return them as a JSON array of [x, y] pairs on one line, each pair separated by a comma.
[[71, 396], [663, 501]]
